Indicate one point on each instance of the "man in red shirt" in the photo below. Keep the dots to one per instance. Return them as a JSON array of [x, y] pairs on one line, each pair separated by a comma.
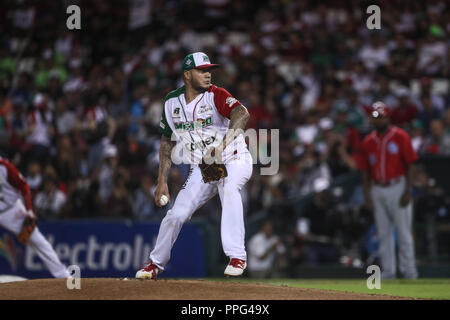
[[17, 216], [405, 112], [386, 160]]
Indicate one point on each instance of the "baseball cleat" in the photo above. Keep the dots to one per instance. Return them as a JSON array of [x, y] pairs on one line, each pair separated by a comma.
[[150, 271], [235, 268]]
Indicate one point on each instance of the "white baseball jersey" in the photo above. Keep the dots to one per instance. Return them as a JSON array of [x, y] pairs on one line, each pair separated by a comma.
[[12, 187], [200, 124]]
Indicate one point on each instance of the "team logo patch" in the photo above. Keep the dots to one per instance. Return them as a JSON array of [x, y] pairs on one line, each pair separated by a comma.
[[205, 59], [372, 159], [392, 147], [188, 62], [176, 112], [230, 101]]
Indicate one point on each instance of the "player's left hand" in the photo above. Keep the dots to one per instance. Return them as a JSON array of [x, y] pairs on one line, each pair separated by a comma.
[[405, 199], [28, 226]]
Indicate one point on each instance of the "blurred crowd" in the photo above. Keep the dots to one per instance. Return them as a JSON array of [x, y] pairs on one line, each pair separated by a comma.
[[80, 109]]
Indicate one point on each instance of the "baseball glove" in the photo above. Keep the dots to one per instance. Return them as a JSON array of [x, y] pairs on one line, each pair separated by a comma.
[[213, 172], [28, 226]]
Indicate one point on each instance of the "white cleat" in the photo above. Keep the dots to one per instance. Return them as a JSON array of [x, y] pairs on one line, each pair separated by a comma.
[[150, 271], [235, 268]]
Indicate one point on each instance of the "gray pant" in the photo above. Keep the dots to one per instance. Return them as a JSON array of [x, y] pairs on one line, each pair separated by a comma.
[[389, 214]]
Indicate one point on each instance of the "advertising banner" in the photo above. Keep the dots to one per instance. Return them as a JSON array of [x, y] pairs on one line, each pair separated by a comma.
[[103, 249]]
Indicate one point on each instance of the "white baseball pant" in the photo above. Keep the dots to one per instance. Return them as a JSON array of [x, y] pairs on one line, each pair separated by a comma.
[[194, 194], [12, 220]]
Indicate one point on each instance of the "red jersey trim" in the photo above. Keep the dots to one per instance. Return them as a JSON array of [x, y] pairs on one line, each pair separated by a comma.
[[195, 107], [18, 181], [223, 100]]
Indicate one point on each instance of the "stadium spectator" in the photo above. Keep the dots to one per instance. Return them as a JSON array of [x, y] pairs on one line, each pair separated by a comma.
[[438, 143], [405, 112], [95, 127], [432, 56], [312, 168], [417, 135], [375, 53], [356, 116], [108, 170], [307, 132], [401, 63], [118, 204], [143, 199], [23, 90], [264, 250], [66, 119], [65, 161], [428, 113], [315, 229], [40, 129], [34, 177], [49, 203], [437, 100]]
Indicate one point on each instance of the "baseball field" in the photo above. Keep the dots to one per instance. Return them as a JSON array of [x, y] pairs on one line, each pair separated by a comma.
[[418, 289], [224, 289]]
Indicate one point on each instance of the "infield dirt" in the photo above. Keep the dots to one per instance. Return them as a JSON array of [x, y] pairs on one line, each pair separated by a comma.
[[168, 289]]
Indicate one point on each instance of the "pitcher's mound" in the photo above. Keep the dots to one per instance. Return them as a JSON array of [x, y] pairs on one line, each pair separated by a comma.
[[166, 289]]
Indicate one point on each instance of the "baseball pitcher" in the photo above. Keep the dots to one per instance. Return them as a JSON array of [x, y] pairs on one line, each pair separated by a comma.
[[17, 216], [198, 126]]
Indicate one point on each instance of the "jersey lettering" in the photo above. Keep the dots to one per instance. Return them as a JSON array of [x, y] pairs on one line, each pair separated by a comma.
[[193, 125]]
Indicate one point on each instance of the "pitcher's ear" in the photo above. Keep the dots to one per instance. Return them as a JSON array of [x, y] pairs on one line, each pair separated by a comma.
[[187, 74]]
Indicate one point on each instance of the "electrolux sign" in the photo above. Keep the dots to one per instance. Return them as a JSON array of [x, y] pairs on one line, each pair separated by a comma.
[[103, 249]]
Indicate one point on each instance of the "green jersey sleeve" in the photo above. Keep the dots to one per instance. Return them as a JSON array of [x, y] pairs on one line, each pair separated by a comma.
[[164, 127]]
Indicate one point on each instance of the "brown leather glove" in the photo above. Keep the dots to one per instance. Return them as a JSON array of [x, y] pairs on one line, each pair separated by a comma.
[[28, 225], [213, 172]]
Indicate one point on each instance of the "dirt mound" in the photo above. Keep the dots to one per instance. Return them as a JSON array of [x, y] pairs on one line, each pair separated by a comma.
[[166, 289]]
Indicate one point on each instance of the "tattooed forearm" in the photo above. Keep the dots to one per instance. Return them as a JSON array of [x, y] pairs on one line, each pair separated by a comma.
[[239, 117], [165, 161]]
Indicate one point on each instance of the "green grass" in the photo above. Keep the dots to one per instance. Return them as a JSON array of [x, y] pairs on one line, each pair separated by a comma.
[[420, 288]]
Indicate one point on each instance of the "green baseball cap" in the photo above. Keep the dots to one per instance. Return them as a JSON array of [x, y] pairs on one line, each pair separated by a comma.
[[197, 60]]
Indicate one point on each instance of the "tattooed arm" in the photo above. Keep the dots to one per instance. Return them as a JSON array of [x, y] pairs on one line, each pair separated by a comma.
[[239, 117], [165, 162]]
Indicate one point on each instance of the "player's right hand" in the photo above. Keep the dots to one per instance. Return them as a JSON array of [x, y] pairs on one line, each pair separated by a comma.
[[161, 189]]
